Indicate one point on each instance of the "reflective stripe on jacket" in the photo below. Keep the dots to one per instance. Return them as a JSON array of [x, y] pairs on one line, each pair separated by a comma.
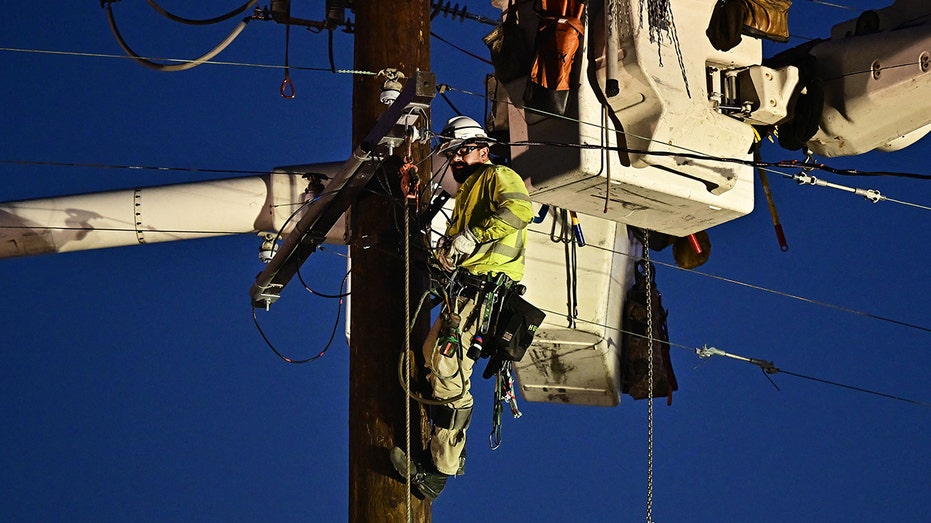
[[495, 205]]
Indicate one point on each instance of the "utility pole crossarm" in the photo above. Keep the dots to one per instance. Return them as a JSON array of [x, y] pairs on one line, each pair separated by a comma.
[[320, 216]]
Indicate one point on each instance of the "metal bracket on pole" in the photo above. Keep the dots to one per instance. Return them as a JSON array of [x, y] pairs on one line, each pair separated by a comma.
[[320, 216]]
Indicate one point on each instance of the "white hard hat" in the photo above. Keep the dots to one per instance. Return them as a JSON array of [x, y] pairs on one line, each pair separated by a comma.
[[459, 130]]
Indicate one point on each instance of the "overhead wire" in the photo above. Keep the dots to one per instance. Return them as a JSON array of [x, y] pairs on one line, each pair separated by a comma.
[[171, 16], [679, 151], [460, 49], [242, 8], [858, 389], [743, 161], [445, 87], [832, 4], [93, 165], [767, 366], [83, 54], [694, 155], [869, 194], [318, 293], [123, 229], [691, 271], [783, 294], [729, 280], [326, 347]]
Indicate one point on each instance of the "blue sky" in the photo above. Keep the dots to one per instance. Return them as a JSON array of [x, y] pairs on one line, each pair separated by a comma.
[[135, 386]]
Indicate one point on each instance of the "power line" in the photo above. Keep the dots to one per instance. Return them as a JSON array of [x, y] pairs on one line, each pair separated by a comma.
[[685, 151], [661, 153], [721, 278], [859, 389], [460, 49], [125, 229], [695, 155], [680, 151], [210, 62], [768, 367], [870, 194], [832, 4], [770, 291], [132, 167]]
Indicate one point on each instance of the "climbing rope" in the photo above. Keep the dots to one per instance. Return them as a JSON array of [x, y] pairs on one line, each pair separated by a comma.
[[648, 275], [407, 357]]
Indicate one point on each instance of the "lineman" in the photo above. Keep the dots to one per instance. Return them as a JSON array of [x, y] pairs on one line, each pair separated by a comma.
[[484, 249]]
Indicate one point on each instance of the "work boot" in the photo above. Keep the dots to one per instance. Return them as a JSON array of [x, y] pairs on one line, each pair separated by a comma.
[[428, 481], [768, 19]]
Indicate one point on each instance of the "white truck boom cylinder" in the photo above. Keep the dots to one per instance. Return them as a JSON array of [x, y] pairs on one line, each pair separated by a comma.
[[150, 214]]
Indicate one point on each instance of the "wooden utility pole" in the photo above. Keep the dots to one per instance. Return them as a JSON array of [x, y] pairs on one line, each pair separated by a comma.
[[388, 34]]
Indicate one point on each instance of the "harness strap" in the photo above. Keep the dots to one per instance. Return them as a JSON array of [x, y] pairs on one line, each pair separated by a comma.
[[447, 417]]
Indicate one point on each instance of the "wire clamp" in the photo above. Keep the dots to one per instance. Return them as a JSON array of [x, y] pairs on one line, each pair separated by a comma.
[[870, 194]]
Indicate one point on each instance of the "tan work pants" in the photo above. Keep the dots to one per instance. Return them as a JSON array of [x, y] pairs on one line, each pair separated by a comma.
[[450, 377]]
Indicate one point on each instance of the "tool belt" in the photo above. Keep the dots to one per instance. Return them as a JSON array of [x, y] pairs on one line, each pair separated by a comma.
[[488, 291], [474, 285], [446, 417], [506, 321]]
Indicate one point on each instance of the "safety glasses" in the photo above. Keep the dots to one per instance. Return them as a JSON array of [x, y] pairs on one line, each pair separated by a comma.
[[462, 151]]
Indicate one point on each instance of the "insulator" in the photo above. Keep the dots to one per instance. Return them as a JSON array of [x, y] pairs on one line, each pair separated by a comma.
[[268, 247], [453, 12], [335, 12], [281, 10]]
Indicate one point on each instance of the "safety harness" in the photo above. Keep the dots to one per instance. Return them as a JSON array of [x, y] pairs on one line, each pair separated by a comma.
[[505, 326], [487, 292]]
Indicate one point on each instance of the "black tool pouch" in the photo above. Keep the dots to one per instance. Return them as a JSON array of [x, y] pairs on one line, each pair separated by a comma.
[[513, 331]]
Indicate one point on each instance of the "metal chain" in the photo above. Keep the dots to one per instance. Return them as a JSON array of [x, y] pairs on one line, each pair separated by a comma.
[[648, 275], [661, 27]]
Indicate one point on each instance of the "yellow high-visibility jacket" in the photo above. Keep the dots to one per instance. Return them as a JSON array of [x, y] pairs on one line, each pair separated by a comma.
[[494, 203]]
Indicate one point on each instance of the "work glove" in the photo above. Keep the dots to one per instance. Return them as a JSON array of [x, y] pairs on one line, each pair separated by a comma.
[[458, 248]]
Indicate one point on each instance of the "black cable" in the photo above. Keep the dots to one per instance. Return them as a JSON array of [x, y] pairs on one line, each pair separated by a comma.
[[268, 342], [460, 49], [448, 101], [330, 51], [858, 389], [321, 294], [162, 11]]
